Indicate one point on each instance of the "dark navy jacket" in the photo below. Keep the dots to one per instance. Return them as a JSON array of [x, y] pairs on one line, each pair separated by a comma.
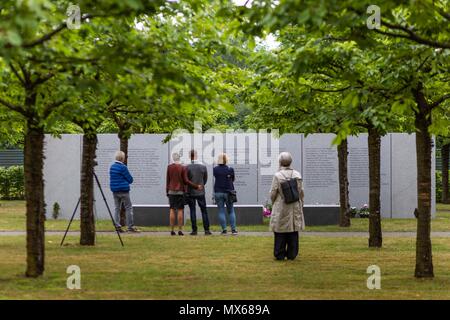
[[119, 177], [224, 178]]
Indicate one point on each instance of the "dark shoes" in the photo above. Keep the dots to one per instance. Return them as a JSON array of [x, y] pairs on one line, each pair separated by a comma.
[[193, 233], [120, 230], [234, 233], [208, 233], [224, 233], [173, 233], [133, 230], [180, 233]]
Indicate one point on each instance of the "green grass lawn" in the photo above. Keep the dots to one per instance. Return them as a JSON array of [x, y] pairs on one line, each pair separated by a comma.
[[223, 268], [12, 217]]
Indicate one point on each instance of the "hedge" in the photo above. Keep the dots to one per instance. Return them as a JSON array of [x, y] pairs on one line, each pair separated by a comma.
[[12, 183]]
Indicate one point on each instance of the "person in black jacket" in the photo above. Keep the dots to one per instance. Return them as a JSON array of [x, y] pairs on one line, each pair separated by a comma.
[[223, 184]]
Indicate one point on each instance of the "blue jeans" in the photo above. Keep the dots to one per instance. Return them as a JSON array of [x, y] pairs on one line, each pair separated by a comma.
[[223, 199]]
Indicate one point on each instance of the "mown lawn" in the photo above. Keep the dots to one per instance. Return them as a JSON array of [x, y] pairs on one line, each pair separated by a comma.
[[223, 268], [12, 217]]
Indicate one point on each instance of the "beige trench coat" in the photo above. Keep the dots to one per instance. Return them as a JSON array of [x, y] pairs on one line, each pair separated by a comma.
[[286, 217]]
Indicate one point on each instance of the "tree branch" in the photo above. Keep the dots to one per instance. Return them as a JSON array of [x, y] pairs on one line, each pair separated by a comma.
[[17, 74], [51, 34], [440, 100], [52, 106], [411, 35], [13, 107], [330, 90]]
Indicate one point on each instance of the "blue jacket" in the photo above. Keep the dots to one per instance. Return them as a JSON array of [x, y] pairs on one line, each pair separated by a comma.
[[119, 177], [224, 178]]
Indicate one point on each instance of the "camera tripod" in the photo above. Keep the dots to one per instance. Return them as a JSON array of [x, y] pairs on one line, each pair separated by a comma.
[[107, 206]]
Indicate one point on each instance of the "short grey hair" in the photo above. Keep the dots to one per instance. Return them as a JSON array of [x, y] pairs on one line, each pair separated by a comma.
[[120, 156], [285, 159], [176, 156]]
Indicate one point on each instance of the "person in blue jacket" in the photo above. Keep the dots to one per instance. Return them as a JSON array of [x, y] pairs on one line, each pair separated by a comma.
[[119, 182]]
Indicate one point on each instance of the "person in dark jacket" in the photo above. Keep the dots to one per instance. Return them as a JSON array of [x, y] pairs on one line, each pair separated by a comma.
[[223, 184], [198, 174], [119, 182], [176, 186]]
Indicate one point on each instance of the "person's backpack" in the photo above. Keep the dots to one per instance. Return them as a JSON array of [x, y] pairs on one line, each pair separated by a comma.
[[290, 189]]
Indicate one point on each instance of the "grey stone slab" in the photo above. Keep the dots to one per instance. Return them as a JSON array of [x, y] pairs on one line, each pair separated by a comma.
[[321, 215], [158, 215], [314, 156], [320, 170], [62, 173], [358, 171], [245, 215], [404, 175], [147, 162], [268, 159], [151, 215], [242, 149]]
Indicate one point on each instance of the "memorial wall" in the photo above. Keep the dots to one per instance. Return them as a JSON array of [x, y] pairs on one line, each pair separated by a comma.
[[254, 158]]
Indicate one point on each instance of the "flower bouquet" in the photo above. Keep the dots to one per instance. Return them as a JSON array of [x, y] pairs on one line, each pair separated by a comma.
[[267, 210]]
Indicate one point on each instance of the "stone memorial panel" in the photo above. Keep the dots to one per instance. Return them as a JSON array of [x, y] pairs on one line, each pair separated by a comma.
[[268, 154], [358, 171], [242, 150], [320, 169], [62, 173]]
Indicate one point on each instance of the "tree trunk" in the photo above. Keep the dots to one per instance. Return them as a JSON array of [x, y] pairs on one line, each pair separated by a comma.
[[34, 195], [87, 222], [123, 147], [344, 218], [445, 161], [374, 142], [424, 259]]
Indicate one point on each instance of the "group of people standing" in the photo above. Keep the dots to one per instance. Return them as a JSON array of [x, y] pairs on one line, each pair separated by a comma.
[[185, 185]]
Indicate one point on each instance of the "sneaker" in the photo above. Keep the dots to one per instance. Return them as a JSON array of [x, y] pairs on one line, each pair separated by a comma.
[[173, 233], [224, 232], [234, 233], [180, 233], [208, 233], [133, 230], [193, 233]]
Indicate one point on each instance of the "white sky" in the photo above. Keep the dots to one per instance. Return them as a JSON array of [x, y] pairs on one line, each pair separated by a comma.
[[270, 41]]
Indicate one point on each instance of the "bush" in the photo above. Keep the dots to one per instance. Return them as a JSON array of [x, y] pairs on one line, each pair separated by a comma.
[[56, 210], [12, 183], [438, 186]]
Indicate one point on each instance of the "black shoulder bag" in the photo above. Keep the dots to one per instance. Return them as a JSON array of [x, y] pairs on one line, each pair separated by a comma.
[[232, 193], [290, 189]]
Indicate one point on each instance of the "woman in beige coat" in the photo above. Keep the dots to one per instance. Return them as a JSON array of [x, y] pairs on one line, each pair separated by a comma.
[[287, 219]]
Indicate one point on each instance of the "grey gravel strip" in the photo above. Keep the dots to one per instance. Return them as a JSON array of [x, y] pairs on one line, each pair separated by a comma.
[[244, 233]]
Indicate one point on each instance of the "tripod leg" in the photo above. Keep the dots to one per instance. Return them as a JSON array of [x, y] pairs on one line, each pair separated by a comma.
[[70, 222], [107, 206]]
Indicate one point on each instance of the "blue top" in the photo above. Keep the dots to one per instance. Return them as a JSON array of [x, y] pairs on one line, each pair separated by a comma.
[[119, 177], [224, 178]]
